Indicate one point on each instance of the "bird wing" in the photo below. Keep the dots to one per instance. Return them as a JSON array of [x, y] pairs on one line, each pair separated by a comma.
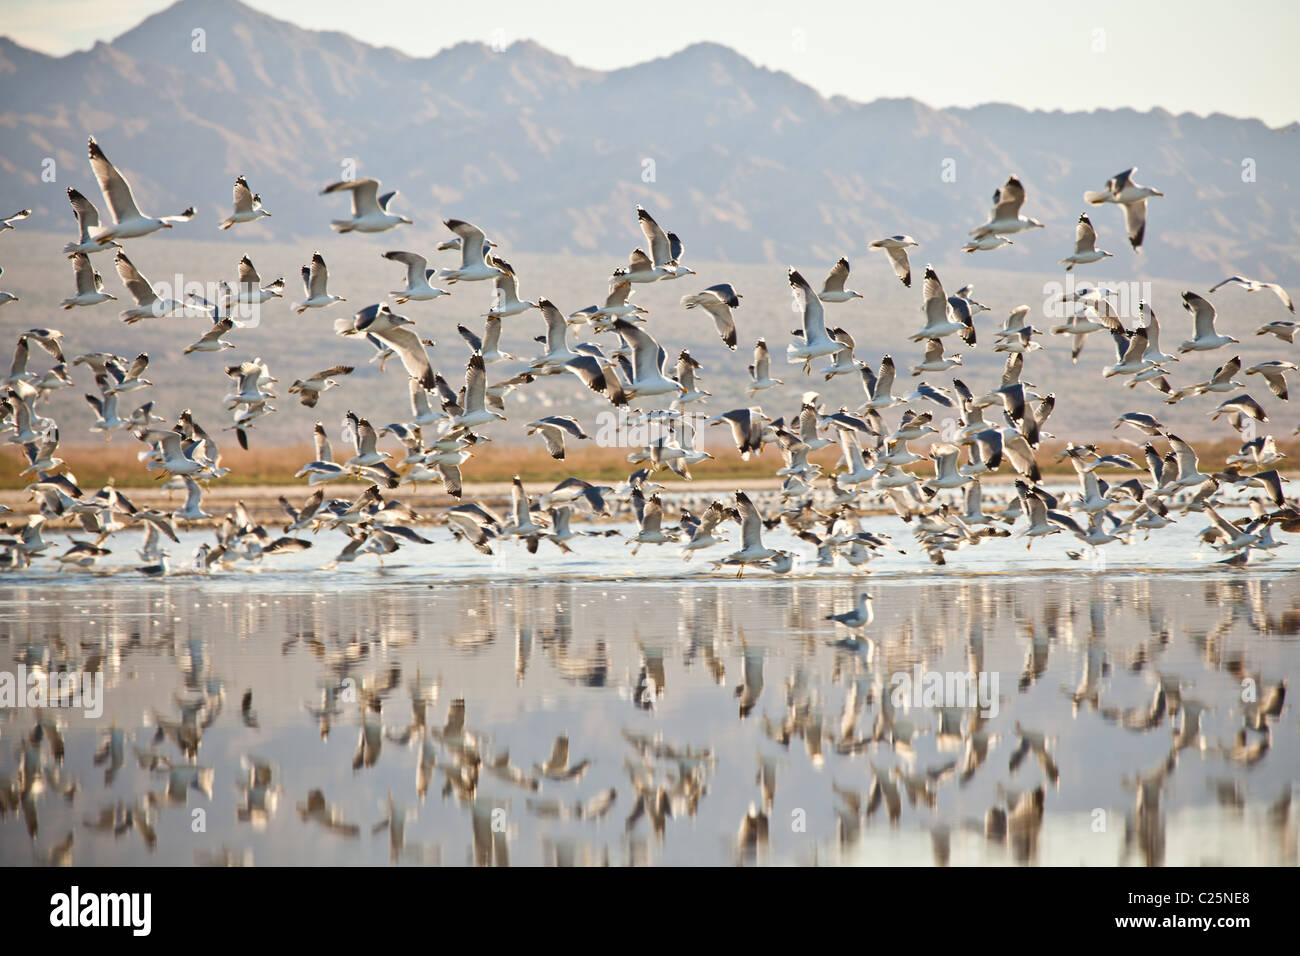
[[839, 274], [365, 193], [410, 350], [473, 243], [416, 265], [660, 252], [1085, 237], [135, 283], [1008, 200], [117, 192], [243, 196], [1135, 221], [814, 316]]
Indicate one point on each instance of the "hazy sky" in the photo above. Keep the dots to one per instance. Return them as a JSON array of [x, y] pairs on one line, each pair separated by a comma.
[[1199, 55]]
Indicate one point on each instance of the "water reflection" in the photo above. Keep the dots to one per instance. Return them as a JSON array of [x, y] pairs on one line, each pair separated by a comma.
[[1135, 720]]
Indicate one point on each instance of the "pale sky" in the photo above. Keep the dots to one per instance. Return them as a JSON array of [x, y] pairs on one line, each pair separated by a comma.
[[1202, 56]]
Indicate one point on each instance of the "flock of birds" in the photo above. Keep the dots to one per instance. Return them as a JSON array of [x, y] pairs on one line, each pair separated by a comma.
[[631, 370]]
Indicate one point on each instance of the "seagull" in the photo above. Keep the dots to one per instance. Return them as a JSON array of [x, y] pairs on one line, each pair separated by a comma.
[[249, 289], [879, 387], [986, 243], [369, 209], [935, 361], [1241, 405], [1274, 373], [1189, 474], [1152, 330], [193, 510], [505, 293], [1204, 338], [751, 549], [648, 358], [815, 341], [896, 248], [324, 467], [309, 389], [946, 476], [1284, 330], [211, 340], [718, 301], [860, 616], [761, 371], [1037, 519], [474, 264], [148, 305], [90, 284], [553, 429], [665, 251], [558, 352], [1085, 246], [687, 373], [395, 331], [939, 318], [314, 280], [418, 275], [248, 207], [7, 297], [833, 288], [489, 346], [616, 306], [475, 411], [844, 362], [746, 428], [7, 222], [1255, 285], [1122, 189], [1006, 217], [128, 221], [87, 222], [1130, 351]]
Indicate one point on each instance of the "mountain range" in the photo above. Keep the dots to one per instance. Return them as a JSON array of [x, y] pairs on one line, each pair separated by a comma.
[[746, 164]]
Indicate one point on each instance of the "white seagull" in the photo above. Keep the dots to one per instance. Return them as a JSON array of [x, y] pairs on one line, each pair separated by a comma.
[[1006, 217], [833, 288], [128, 221], [1085, 246], [369, 209], [315, 278], [474, 260], [896, 248], [861, 615], [148, 305], [1204, 338], [90, 284], [1122, 189], [815, 341], [418, 275], [248, 206], [87, 217], [1255, 285], [505, 293], [718, 301]]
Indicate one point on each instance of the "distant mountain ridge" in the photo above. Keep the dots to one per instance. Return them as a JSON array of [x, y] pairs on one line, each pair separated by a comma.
[[746, 164]]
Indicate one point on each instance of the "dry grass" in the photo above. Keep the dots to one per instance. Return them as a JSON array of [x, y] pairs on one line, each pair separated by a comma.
[[116, 462]]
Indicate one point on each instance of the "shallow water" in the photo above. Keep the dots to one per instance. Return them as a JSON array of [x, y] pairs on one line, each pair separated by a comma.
[[738, 674]]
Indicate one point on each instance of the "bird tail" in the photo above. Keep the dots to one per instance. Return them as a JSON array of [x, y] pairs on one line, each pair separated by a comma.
[[1095, 198]]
